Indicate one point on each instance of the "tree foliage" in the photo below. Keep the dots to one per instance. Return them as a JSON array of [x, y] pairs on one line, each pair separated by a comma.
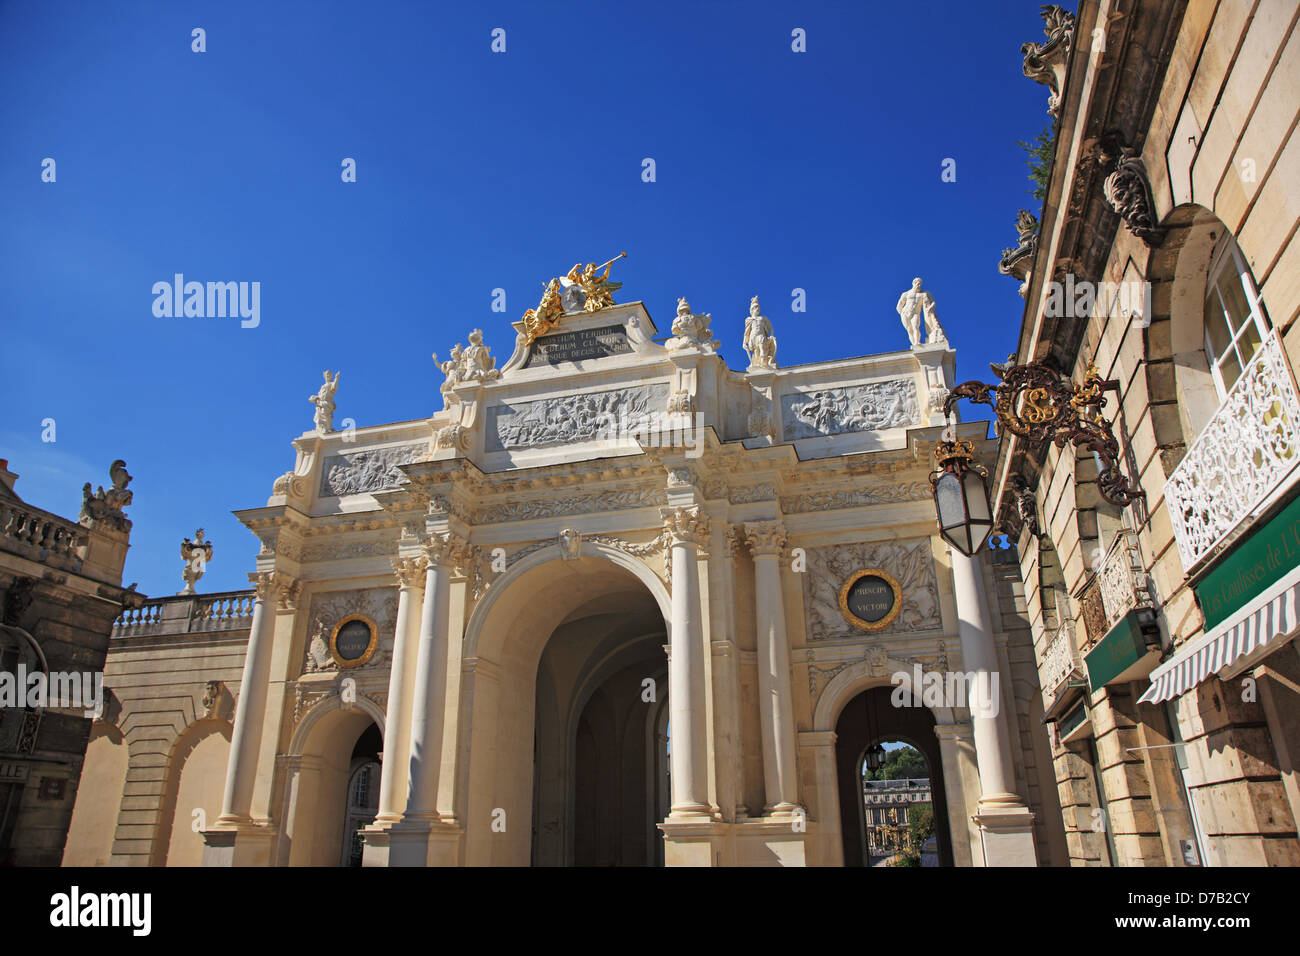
[[899, 764], [1038, 155]]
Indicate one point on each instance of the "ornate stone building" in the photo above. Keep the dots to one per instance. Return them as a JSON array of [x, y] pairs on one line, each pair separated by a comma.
[[1165, 255], [61, 583], [614, 603]]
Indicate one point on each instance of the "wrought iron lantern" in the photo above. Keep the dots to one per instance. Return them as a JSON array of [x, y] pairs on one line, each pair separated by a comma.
[[961, 496]]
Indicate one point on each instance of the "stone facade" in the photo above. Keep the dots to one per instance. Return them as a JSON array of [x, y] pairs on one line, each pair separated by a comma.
[[1172, 157], [61, 583], [546, 588]]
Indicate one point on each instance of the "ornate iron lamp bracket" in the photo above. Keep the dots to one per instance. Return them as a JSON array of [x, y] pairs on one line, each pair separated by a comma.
[[1037, 404]]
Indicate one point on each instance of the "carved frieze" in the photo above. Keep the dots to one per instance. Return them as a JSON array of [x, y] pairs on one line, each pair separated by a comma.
[[367, 471], [856, 497], [910, 562], [590, 416], [570, 505], [857, 408]]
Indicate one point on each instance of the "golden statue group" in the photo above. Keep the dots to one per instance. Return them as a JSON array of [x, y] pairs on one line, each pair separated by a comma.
[[582, 290]]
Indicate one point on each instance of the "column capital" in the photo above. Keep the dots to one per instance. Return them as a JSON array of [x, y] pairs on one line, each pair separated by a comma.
[[685, 526], [410, 571], [445, 549], [765, 538], [276, 586]]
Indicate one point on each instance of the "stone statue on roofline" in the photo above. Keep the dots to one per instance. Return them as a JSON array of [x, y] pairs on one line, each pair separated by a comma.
[[913, 305]]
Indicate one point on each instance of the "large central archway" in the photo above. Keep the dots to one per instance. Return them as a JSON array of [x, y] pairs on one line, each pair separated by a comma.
[[564, 689]]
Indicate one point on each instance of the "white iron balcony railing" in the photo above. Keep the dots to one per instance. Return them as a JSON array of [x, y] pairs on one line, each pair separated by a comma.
[[1060, 663], [1119, 586], [1246, 455]]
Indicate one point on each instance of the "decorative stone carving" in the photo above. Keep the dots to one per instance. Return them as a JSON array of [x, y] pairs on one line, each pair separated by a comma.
[[276, 586], [646, 549], [765, 537], [1026, 504], [214, 695], [196, 554], [1019, 261], [1128, 190], [329, 607], [477, 364], [760, 492], [451, 369], [856, 498], [1045, 62], [569, 505], [590, 416], [18, 597], [680, 477], [452, 436], [691, 331], [473, 363], [105, 507], [366, 471], [290, 484], [340, 550], [685, 526], [759, 341], [912, 305], [911, 563], [447, 550], [760, 423], [877, 660], [570, 544], [410, 571], [871, 407], [324, 402], [681, 403]]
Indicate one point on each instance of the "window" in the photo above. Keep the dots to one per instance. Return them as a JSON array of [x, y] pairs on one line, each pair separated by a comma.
[[1235, 322]]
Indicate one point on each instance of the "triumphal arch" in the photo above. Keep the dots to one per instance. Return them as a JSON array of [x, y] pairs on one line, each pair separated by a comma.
[[617, 603]]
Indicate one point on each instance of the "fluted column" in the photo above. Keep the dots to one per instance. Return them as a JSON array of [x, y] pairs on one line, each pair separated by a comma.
[[686, 529], [410, 575], [250, 715], [430, 681], [776, 701], [1004, 820]]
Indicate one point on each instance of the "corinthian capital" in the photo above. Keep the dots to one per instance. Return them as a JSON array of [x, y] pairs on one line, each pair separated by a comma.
[[410, 571], [276, 586], [765, 538], [685, 526], [445, 550]]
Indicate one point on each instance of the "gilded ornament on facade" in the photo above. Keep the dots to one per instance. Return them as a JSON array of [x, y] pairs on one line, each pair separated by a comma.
[[896, 604], [349, 630], [583, 289]]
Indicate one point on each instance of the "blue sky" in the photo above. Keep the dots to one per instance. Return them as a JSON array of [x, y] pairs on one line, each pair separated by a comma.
[[476, 170]]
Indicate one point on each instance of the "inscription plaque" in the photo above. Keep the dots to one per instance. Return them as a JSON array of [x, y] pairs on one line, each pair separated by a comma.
[[870, 599], [354, 640], [579, 346]]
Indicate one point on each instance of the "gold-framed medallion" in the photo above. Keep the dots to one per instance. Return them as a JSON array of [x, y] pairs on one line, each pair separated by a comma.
[[870, 599], [353, 640]]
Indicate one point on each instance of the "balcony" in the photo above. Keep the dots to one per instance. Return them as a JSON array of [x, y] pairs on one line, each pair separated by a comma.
[[1243, 459], [41, 536], [1118, 588], [1060, 663]]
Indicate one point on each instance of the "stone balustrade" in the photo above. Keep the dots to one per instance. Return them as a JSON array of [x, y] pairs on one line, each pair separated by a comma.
[[188, 613], [24, 528]]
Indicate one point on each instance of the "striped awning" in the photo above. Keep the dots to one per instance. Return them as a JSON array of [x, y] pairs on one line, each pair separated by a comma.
[[1251, 634]]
